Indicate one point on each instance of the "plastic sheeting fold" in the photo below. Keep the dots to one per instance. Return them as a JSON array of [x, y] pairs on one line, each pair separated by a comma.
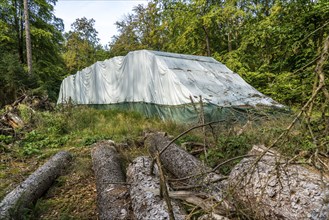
[[160, 78]]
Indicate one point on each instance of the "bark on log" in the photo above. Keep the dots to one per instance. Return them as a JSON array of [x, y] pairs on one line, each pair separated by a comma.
[[182, 164], [23, 196], [112, 192], [271, 189], [146, 203], [275, 189], [175, 159]]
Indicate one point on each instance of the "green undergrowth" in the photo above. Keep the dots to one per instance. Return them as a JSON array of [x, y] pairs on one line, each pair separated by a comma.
[[75, 129]]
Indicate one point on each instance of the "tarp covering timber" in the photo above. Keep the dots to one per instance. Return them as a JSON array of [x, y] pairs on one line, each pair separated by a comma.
[[161, 84]]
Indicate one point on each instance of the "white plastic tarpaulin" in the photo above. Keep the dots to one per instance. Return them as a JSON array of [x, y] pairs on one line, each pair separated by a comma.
[[160, 78]]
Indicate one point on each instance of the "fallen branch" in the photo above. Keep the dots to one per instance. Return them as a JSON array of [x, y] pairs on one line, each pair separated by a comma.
[[212, 216], [23, 196], [185, 132], [201, 200], [164, 190]]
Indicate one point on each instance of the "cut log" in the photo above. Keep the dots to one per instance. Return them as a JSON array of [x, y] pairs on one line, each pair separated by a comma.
[[182, 164], [271, 188], [175, 159], [112, 191], [23, 196], [146, 203]]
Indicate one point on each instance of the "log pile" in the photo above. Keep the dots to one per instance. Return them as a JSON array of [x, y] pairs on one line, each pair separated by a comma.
[[263, 185]]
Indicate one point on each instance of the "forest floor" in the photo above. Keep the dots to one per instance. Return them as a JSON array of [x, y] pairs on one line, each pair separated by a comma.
[[73, 195]]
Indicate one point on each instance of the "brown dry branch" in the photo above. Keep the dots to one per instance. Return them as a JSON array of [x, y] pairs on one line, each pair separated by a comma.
[[202, 116], [320, 74], [212, 216], [195, 109], [197, 199], [187, 131]]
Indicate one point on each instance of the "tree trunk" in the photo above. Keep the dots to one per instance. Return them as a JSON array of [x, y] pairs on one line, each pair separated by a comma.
[[271, 188], [207, 40], [17, 11], [21, 31], [28, 38], [112, 191], [13, 205], [229, 41], [146, 202]]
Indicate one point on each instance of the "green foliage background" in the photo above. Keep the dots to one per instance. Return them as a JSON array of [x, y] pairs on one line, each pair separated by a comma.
[[271, 43]]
